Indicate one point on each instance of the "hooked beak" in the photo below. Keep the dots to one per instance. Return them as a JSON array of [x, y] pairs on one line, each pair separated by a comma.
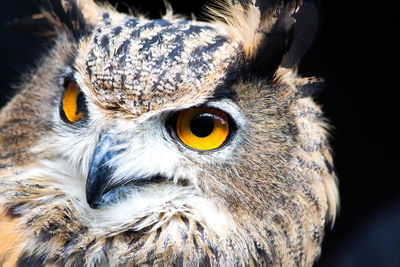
[[101, 187], [98, 180]]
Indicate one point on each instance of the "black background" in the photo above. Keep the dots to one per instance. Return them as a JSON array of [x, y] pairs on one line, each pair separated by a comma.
[[354, 53]]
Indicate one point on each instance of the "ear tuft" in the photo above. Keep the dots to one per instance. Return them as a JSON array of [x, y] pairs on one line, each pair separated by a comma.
[[57, 16], [65, 15], [274, 34], [307, 21]]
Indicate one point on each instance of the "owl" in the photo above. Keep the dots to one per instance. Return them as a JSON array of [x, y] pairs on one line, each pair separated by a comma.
[[167, 142]]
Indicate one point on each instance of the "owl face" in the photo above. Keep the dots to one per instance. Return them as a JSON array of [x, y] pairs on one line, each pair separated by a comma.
[[175, 141], [176, 115]]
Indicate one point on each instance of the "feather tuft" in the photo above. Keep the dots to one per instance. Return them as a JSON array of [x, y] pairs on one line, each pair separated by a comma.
[[274, 34]]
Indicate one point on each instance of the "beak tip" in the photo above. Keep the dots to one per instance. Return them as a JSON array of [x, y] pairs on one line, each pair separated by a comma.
[[94, 205]]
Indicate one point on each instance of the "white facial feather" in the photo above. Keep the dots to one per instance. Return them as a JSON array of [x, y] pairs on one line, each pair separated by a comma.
[[140, 210], [148, 149]]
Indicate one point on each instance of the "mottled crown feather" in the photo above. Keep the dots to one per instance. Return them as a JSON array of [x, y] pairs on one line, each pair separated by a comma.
[[274, 34]]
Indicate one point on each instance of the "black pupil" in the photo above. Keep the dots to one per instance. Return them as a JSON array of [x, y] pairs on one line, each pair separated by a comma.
[[202, 125], [81, 104]]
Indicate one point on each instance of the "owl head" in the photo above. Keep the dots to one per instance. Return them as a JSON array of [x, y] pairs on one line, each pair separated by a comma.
[[169, 141]]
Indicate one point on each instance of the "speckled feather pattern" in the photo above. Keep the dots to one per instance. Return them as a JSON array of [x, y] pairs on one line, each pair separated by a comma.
[[157, 63], [263, 199]]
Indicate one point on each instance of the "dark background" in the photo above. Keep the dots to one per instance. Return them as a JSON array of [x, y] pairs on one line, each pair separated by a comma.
[[354, 54]]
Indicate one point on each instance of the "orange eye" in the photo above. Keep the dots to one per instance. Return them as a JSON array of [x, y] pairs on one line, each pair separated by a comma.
[[73, 106], [203, 128]]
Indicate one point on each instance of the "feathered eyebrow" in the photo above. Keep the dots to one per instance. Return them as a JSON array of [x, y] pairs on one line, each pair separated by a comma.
[[233, 75], [222, 92]]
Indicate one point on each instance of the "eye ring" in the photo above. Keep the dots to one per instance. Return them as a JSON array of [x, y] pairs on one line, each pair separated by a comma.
[[203, 129], [73, 105]]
